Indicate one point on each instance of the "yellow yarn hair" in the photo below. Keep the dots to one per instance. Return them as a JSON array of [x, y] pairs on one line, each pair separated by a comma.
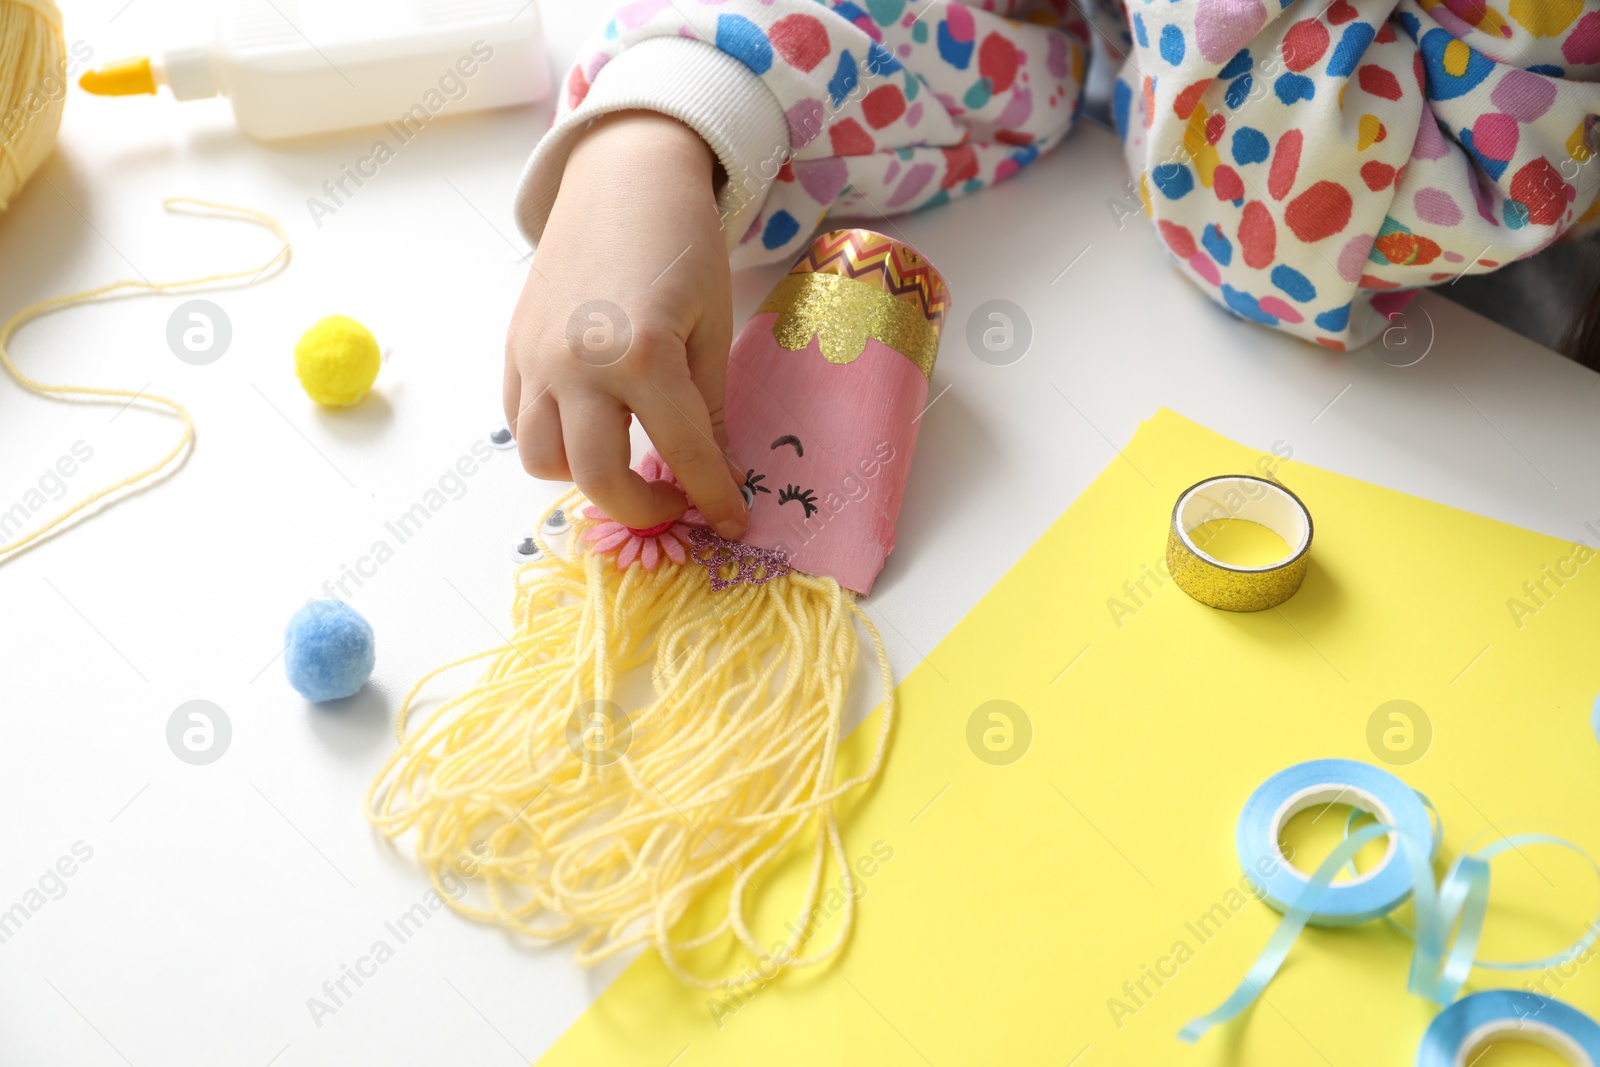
[[729, 763], [33, 88], [175, 456]]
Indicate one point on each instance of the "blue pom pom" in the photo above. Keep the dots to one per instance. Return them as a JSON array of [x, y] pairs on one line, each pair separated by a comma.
[[330, 650]]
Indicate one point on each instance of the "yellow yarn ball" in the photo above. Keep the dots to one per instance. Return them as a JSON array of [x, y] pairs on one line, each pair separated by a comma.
[[337, 361], [33, 88]]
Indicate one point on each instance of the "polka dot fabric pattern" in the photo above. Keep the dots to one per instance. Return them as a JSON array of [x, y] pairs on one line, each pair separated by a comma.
[[1309, 165], [1313, 166], [892, 106]]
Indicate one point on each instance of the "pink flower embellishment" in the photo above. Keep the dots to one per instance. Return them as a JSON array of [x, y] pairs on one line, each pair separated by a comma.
[[648, 545]]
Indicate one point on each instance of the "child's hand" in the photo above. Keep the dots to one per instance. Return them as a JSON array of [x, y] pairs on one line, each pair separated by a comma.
[[629, 308]]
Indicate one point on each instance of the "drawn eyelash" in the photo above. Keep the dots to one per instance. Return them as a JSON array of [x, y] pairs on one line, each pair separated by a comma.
[[752, 485], [807, 498]]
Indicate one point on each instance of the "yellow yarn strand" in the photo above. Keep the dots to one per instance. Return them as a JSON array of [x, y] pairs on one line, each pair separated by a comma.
[[33, 88], [174, 456], [730, 762]]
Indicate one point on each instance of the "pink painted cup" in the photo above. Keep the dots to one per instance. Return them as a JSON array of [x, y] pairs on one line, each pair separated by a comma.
[[825, 385]]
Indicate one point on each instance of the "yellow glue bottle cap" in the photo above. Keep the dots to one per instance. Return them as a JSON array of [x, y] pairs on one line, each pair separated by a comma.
[[187, 72], [125, 77]]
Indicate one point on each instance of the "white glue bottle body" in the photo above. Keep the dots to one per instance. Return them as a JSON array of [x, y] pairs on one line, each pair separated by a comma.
[[291, 68]]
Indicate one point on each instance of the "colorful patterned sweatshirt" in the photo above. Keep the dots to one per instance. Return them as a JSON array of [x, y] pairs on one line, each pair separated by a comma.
[[1310, 165]]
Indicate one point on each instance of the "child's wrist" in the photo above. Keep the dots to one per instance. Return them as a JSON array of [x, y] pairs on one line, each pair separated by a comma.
[[632, 144]]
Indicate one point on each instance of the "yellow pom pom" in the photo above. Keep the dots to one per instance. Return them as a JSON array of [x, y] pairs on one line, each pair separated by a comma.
[[337, 361]]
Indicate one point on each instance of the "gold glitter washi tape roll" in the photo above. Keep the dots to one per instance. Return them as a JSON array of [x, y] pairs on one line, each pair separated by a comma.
[[1225, 585]]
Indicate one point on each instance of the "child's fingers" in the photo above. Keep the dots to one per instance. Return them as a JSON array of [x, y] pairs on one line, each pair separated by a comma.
[[596, 433], [674, 415], [708, 369], [536, 422], [511, 394]]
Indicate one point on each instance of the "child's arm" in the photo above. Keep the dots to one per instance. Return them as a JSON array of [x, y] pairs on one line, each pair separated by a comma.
[[1303, 167], [1310, 164], [851, 107], [806, 109]]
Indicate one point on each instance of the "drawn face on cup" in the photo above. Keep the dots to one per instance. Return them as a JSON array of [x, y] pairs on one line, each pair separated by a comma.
[[796, 495], [803, 497], [826, 448]]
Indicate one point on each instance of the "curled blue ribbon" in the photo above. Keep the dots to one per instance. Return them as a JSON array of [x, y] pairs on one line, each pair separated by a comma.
[[1449, 918]]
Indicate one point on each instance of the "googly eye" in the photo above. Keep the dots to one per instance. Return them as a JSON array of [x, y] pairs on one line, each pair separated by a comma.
[[749, 495], [556, 523], [525, 550], [500, 437]]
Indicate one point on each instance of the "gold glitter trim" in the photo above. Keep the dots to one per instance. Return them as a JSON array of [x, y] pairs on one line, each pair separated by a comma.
[[841, 313], [1236, 588], [869, 256]]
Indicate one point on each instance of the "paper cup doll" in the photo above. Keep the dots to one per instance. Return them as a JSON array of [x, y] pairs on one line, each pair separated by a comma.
[[580, 811]]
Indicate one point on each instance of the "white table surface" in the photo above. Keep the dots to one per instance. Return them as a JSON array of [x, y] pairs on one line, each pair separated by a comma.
[[219, 898]]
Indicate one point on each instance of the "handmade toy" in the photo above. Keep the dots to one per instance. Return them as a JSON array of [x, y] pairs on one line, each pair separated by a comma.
[[588, 815], [337, 361], [329, 651]]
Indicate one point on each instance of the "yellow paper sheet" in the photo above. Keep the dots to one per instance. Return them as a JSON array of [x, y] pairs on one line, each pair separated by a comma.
[[1024, 902]]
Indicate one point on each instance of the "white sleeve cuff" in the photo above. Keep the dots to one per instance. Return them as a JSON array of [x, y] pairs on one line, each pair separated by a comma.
[[699, 85]]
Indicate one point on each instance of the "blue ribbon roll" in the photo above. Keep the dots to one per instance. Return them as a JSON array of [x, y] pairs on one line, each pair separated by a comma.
[[1449, 913], [1474, 1020], [1333, 781]]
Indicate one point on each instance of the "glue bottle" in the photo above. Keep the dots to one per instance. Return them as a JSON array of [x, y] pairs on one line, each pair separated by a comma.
[[297, 67]]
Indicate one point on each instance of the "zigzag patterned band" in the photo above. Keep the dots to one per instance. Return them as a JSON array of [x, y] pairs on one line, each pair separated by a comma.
[[895, 267]]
